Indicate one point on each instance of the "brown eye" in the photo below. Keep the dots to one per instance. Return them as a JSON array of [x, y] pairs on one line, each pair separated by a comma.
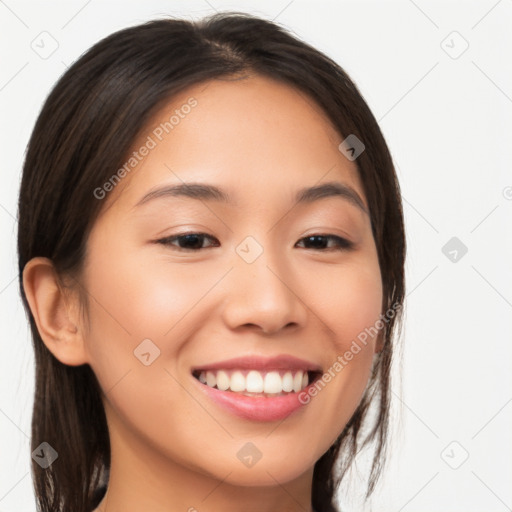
[[325, 242], [189, 241]]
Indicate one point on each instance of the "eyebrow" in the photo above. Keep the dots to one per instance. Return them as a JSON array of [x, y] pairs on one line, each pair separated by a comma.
[[206, 192]]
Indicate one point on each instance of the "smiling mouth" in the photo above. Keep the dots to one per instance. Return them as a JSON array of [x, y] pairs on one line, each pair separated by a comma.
[[270, 383]]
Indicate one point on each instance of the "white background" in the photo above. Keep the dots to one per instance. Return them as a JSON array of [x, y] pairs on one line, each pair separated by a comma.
[[448, 122]]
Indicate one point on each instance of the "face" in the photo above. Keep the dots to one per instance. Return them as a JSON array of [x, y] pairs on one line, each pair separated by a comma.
[[180, 284]]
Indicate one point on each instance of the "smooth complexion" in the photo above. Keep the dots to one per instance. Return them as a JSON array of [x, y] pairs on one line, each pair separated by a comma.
[[173, 448]]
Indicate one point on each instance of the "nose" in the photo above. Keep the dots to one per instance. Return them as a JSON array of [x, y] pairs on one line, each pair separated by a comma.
[[264, 296]]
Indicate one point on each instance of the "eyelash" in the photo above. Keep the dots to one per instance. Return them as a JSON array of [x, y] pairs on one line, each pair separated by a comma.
[[343, 243]]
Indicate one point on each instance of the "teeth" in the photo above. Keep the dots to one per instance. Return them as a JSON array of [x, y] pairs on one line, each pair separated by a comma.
[[237, 382], [273, 383], [211, 379], [252, 381], [297, 382], [223, 381], [288, 382]]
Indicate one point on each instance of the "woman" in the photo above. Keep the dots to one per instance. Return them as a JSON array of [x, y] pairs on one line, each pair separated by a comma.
[[211, 255]]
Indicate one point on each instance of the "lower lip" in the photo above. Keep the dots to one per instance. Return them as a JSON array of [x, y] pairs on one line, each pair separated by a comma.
[[257, 408]]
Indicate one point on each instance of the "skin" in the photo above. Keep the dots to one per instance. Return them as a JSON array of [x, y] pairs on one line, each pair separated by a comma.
[[260, 141]]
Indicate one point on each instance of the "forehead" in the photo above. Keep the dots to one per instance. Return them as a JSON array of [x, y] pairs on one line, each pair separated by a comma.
[[254, 137]]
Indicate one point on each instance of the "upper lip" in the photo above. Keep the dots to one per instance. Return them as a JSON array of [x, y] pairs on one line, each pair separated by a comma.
[[254, 362]]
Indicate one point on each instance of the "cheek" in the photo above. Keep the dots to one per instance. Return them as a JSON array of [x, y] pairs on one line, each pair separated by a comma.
[[155, 303], [145, 299], [348, 300], [350, 311], [133, 300], [359, 308]]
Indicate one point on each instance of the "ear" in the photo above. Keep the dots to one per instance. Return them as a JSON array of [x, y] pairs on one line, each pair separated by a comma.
[[55, 312]]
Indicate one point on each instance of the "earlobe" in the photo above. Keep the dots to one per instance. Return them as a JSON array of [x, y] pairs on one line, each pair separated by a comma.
[[54, 311]]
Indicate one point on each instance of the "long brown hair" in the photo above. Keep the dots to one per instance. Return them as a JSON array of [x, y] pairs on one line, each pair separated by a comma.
[[82, 136]]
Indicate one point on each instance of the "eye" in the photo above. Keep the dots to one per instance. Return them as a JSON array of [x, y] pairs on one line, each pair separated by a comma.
[[196, 242], [325, 242], [189, 241]]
